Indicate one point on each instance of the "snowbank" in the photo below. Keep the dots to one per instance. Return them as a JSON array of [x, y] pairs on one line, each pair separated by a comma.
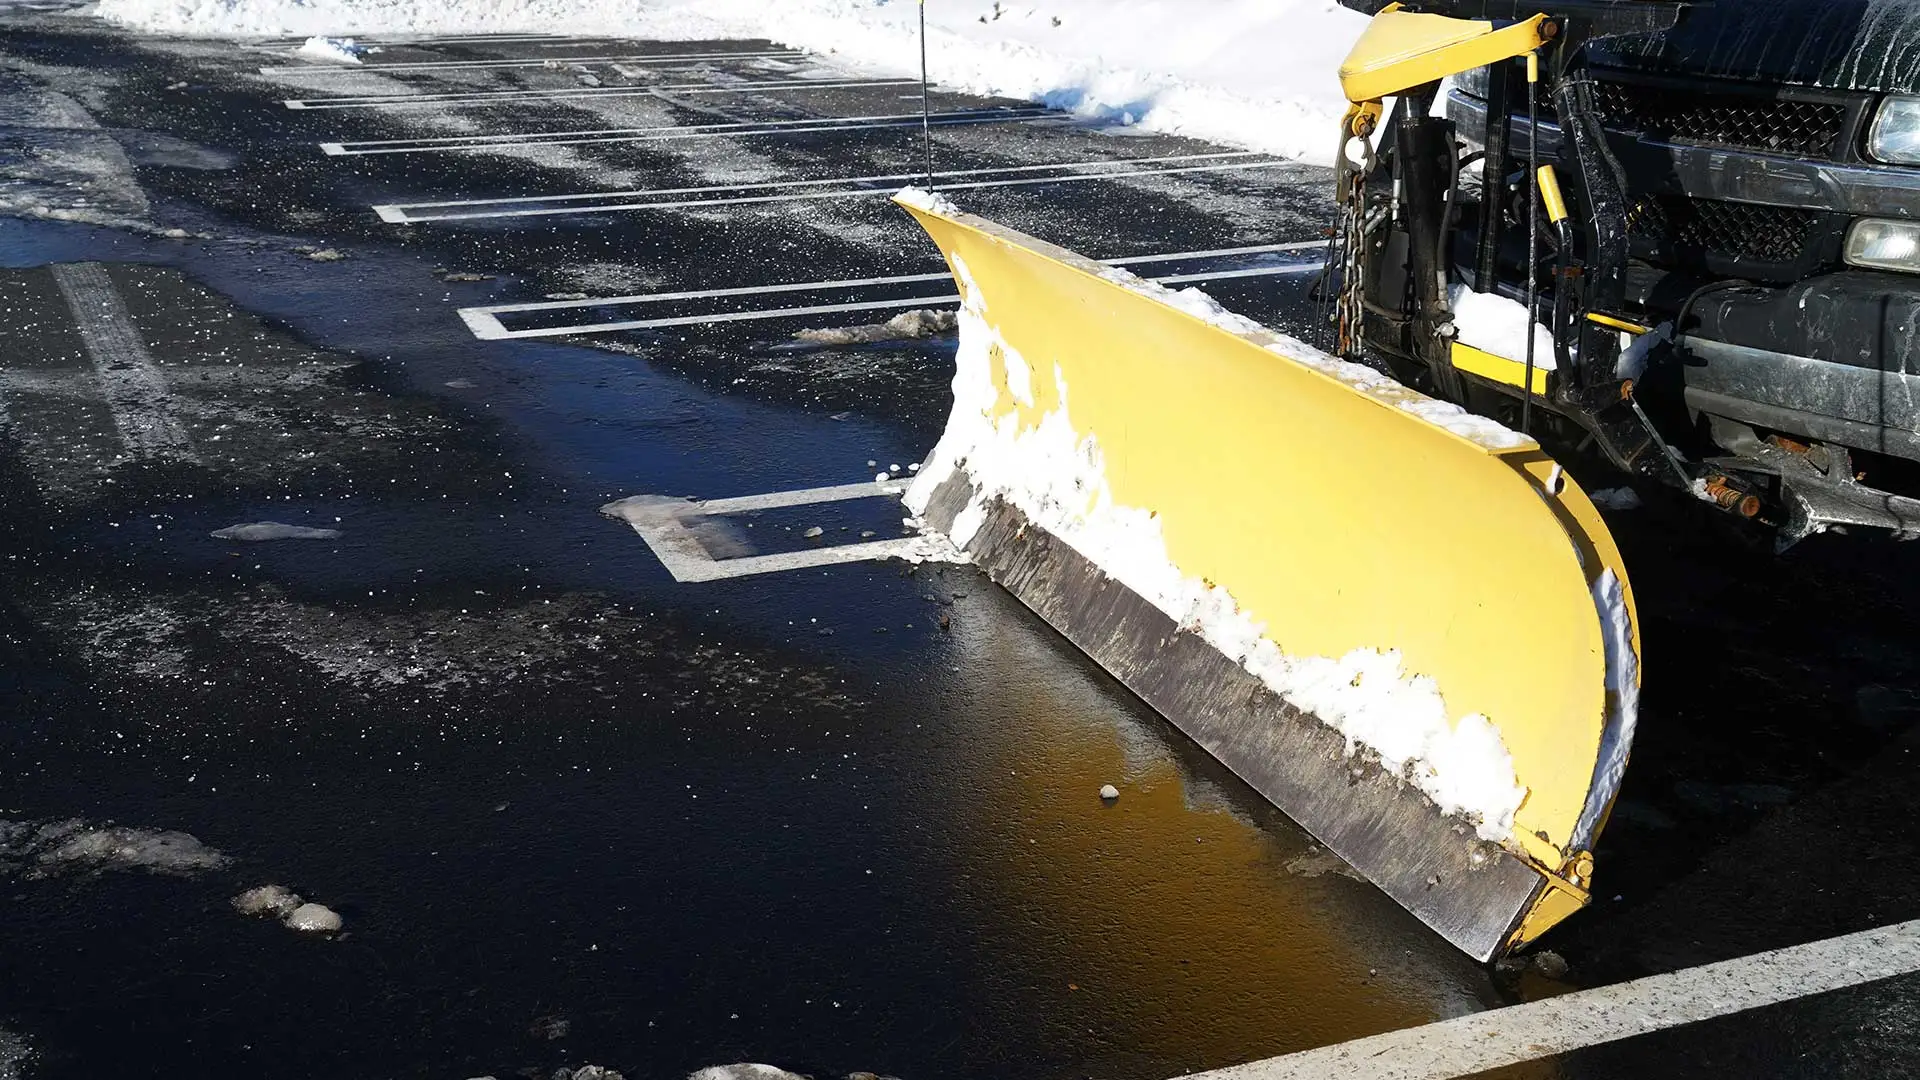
[[1258, 73]]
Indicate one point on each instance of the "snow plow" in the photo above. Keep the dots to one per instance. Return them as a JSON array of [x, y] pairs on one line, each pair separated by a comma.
[[1397, 619], [1220, 516]]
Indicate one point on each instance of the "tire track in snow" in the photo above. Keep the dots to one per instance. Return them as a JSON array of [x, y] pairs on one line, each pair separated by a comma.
[[131, 383]]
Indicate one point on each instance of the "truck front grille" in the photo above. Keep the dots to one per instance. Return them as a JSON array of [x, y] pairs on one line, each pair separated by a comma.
[[1683, 232], [1744, 121]]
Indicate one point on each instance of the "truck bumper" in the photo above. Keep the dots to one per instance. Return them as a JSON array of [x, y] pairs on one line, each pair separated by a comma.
[[1834, 358]]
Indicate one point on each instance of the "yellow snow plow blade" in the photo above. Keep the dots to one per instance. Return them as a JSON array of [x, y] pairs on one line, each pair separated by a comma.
[[1401, 623]]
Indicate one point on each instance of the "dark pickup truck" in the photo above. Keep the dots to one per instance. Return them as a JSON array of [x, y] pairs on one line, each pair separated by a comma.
[[1770, 158]]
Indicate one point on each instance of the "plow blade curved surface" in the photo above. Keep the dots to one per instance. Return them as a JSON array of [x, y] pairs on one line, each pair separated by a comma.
[[1400, 623]]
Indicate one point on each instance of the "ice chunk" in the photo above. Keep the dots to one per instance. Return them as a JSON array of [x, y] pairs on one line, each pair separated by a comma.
[[267, 901], [1108, 792], [313, 919], [258, 531]]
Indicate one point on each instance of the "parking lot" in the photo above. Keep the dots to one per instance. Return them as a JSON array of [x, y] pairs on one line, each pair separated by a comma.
[[775, 782]]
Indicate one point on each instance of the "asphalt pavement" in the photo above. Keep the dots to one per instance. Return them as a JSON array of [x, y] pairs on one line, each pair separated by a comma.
[[576, 802]]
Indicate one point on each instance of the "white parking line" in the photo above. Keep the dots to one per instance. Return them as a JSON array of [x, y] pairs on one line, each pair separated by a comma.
[[546, 61], [732, 129], [510, 97], [849, 187], [854, 283], [429, 39], [485, 324], [1501, 1037], [132, 384], [488, 328], [804, 497], [671, 529]]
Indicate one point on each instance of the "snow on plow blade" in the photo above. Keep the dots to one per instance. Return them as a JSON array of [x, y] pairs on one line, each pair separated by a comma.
[[1401, 623]]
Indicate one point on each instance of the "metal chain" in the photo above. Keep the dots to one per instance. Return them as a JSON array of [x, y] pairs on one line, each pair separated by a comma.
[[1350, 310]]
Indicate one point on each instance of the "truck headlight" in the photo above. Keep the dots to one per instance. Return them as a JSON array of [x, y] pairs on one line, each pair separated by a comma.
[[1885, 245], [1895, 137]]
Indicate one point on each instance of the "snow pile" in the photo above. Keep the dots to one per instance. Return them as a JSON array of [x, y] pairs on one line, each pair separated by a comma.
[[63, 847], [1497, 325], [329, 50], [1260, 73], [1057, 479]]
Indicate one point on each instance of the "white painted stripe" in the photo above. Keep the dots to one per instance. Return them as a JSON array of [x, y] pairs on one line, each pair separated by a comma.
[[397, 215], [854, 283], [603, 201], [757, 315], [804, 497], [1249, 272], [665, 526], [483, 324], [913, 548], [739, 129], [511, 97], [133, 386], [1540, 1029], [487, 326], [544, 61]]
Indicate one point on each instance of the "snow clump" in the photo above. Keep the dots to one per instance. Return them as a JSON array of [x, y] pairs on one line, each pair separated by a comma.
[[313, 919], [260, 531], [267, 901], [329, 50]]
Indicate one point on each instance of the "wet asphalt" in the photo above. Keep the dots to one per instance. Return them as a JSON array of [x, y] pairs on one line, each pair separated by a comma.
[[840, 819]]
